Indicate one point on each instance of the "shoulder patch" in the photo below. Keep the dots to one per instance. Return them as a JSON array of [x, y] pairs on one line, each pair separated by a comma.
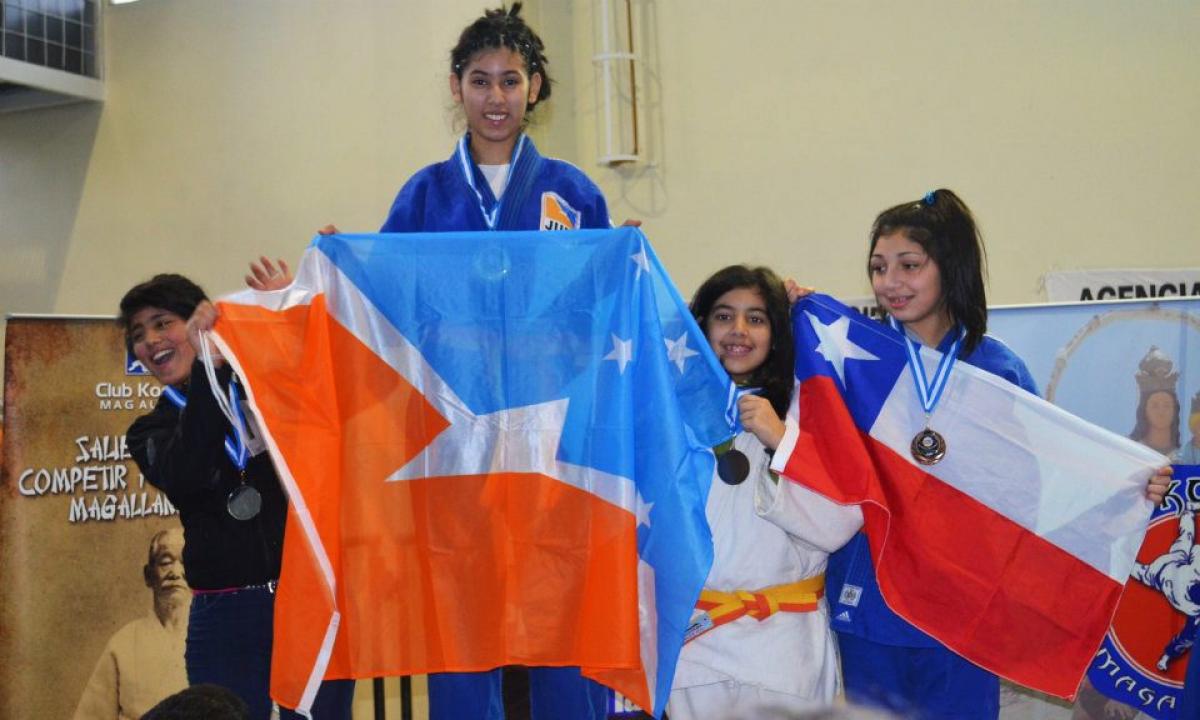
[[557, 214]]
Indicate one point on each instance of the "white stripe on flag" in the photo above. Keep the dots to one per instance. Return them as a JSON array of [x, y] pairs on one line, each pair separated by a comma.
[[1034, 463]]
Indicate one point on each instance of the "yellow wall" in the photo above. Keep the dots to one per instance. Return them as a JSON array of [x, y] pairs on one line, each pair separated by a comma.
[[775, 131], [784, 127]]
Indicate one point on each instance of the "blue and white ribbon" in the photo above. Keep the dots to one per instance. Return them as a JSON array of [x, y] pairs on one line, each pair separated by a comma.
[[464, 161], [235, 447], [930, 391]]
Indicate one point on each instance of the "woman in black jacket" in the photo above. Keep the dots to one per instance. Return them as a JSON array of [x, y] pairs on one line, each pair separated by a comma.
[[229, 498]]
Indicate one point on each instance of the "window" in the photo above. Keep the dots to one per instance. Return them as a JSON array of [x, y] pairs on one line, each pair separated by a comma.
[[58, 34]]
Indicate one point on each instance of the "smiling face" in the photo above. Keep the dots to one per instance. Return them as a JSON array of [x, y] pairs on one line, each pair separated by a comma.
[[908, 284], [159, 340], [739, 331], [494, 92]]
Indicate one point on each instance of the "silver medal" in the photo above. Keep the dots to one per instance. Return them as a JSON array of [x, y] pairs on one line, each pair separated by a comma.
[[244, 502]]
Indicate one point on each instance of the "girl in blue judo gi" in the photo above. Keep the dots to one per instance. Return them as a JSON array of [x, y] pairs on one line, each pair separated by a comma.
[[925, 264], [926, 268], [495, 180]]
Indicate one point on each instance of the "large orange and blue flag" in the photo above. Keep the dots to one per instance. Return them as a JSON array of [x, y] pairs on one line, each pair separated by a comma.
[[496, 448]]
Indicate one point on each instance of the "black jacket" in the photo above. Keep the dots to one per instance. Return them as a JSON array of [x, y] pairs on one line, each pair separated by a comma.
[[182, 453]]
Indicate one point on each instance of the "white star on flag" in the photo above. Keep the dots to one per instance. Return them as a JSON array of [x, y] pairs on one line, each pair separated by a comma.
[[836, 346], [622, 352], [643, 509], [642, 260], [677, 350]]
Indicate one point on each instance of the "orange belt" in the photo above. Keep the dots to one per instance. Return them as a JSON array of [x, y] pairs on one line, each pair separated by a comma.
[[719, 608]]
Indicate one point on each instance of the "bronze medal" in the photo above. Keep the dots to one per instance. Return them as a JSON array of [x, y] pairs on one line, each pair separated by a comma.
[[928, 447]]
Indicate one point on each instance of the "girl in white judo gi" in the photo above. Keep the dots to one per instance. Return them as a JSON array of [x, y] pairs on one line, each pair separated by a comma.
[[760, 644]]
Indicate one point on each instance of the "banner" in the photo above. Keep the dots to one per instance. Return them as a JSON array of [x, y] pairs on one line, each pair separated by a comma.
[[1134, 368], [93, 606], [1088, 285]]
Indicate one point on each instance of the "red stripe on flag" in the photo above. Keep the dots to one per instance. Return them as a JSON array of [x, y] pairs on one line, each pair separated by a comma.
[[988, 588]]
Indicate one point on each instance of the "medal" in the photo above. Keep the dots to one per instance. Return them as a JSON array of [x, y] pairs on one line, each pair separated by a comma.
[[928, 447], [733, 467], [244, 502]]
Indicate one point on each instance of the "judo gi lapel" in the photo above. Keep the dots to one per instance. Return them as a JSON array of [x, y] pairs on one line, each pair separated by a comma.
[[523, 172], [502, 214]]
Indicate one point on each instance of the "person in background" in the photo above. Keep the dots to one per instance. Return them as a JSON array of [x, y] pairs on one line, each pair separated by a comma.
[[143, 661], [200, 702]]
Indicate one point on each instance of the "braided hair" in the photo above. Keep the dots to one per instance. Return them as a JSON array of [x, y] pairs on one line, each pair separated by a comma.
[[503, 28]]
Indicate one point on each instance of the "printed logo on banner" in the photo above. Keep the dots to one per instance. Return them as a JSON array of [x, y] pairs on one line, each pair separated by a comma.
[[1144, 656], [1121, 284], [133, 366]]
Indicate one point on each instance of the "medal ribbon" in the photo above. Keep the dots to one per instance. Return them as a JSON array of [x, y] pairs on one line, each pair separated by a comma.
[[930, 391], [732, 416], [235, 447], [464, 160]]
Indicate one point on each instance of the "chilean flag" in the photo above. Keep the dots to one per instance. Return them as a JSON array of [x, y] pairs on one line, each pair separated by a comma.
[[496, 447], [1014, 549]]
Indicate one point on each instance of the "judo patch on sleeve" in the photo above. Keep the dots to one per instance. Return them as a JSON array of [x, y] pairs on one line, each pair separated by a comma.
[[557, 214]]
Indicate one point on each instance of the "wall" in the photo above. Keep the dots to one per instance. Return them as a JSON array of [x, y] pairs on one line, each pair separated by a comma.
[[775, 131], [778, 130]]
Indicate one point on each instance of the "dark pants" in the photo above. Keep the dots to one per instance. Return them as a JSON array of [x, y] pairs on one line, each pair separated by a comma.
[[1189, 701], [229, 644], [552, 693], [917, 682]]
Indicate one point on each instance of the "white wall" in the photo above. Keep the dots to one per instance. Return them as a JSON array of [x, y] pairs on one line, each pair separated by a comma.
[[781, 128]]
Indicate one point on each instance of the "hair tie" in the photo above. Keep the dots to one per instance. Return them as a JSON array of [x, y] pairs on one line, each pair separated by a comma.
[[930, 197]]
